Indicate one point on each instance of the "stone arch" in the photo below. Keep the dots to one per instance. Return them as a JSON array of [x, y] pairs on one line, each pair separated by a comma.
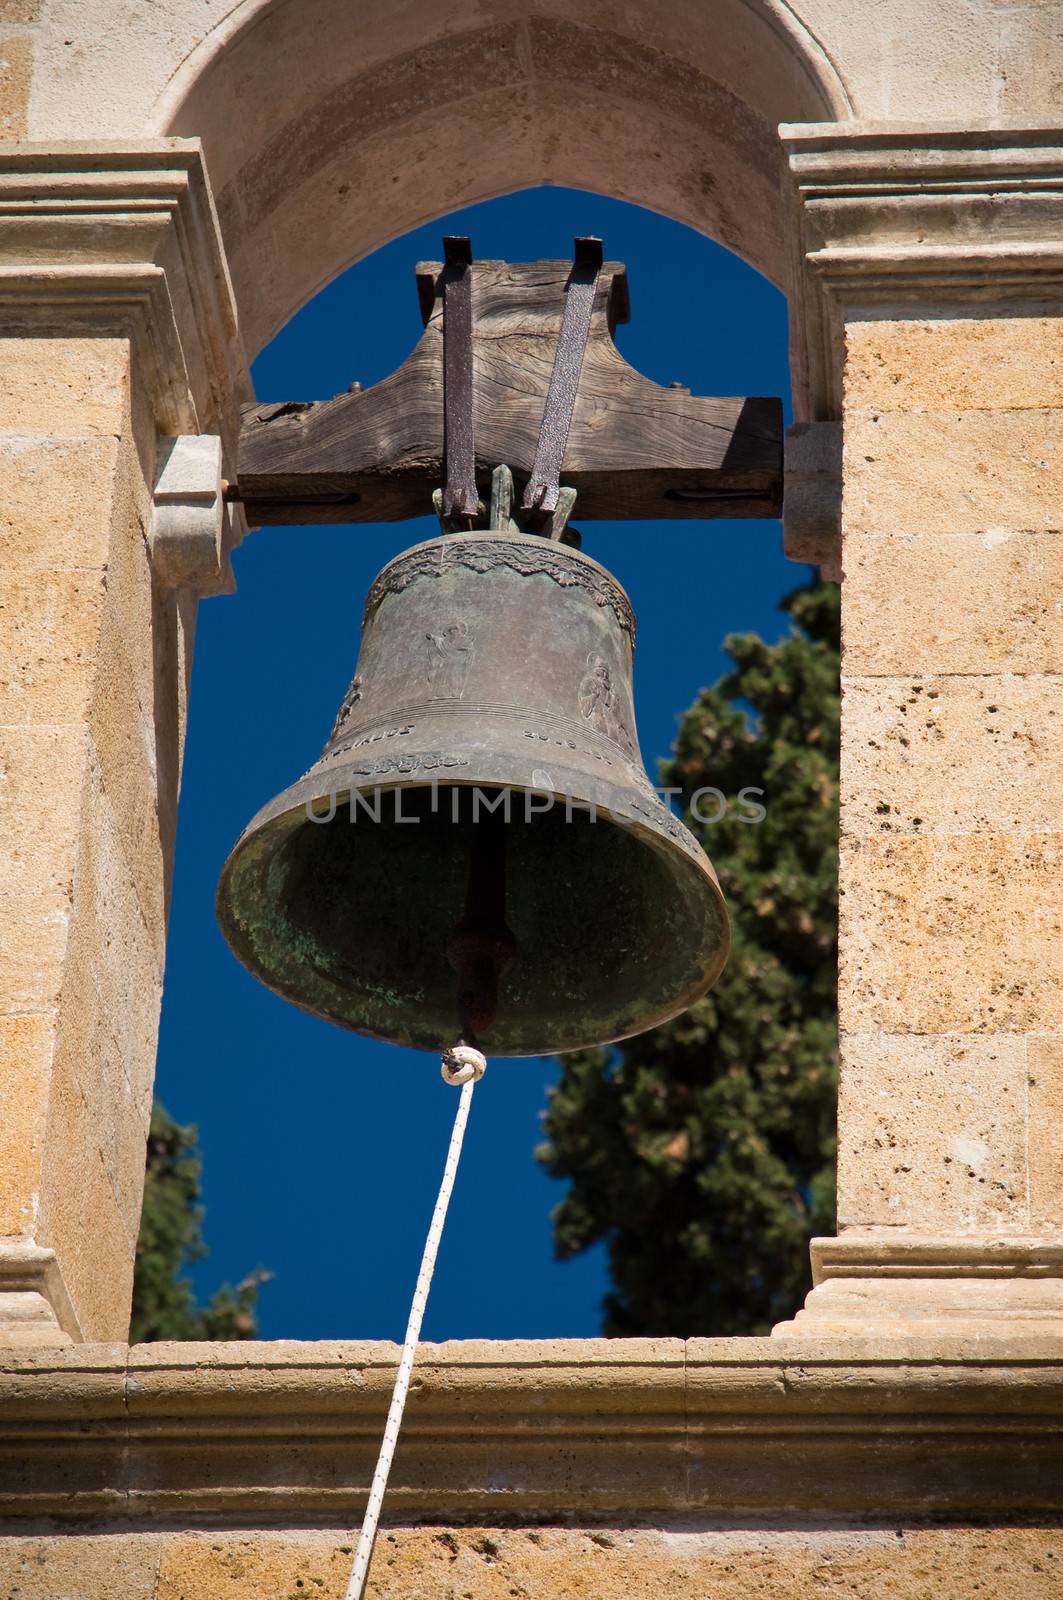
[[325, 139]]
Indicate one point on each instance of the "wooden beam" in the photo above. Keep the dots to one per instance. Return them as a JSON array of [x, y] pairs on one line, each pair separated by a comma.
[[634, 450]]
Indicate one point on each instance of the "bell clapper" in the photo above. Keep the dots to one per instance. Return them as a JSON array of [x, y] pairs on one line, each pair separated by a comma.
[[481, 947]]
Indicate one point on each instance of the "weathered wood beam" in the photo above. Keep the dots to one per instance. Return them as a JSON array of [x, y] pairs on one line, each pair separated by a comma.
[[634, 450]]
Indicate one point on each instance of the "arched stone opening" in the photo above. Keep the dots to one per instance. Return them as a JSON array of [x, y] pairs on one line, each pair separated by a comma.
[[325, 140], [298, 600]]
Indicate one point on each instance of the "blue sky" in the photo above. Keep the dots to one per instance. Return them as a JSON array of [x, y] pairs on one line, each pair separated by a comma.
[[322, 1151]]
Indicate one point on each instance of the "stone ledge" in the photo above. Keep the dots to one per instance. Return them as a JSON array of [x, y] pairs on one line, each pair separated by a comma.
[[118, 237], [899, 220], [531, 1431]]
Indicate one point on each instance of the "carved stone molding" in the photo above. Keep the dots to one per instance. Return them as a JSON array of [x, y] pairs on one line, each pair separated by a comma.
[[35, 1309], [193, 530], [888, 1281], [233, 1435], [914, 221], [123, 238]]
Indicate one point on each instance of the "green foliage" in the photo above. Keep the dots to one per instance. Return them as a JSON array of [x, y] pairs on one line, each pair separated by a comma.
[[703, 1151], [164, 1302]]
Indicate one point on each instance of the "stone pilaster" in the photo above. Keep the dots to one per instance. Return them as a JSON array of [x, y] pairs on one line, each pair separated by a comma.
[[928, 277], [117, 328]]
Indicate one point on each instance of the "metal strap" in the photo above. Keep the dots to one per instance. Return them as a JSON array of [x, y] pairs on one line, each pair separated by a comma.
[[544, 484], [459, 494]]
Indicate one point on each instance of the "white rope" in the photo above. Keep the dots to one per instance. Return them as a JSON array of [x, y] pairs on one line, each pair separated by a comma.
[[465, 1066]]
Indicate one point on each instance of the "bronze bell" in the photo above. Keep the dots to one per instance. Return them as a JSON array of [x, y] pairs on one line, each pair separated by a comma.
[[479, 849]]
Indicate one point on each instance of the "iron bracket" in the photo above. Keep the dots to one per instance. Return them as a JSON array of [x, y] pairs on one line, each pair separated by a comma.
[[543, 490], [461, 504]]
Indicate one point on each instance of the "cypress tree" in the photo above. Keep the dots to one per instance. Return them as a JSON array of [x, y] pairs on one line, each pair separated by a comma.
[[171, 1239]]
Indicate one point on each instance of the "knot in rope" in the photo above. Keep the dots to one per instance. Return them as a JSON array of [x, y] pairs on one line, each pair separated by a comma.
[[462, 1064]]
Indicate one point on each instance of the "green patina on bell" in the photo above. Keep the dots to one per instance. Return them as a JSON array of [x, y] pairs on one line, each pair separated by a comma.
[[479, 846]]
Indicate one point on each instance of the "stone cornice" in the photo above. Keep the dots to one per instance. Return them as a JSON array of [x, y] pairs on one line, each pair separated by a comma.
[[124, 238], [915, 221], [553, 1431], [898, 1253]]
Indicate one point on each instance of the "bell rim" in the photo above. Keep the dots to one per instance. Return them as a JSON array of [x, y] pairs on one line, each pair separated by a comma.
[[696, 859]]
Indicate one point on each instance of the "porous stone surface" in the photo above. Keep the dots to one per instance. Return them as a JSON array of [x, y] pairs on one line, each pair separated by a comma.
[[954, 364], [933, 1125], [1002, 465], [16, 76], [952, 933], [901, 1561], [953, 755], [1045, 1122], [952, 603]]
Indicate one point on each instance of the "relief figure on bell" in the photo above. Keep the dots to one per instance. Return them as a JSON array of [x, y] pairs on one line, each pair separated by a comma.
[[450, 654], [346, 711], [599, 702]]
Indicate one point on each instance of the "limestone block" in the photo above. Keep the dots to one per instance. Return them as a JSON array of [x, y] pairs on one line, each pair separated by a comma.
[[940, 603], [932, 1131], [951, 934], [49, 632], [124, 748], [617, 1563], [952, 755], [952, 472], [16, 77], [106, 1566], [1045, 1064], [98, 1069], [954, 364], [112, 986], [80, 1216], [55, 502], [1031, 62], [129, 583], [62, 387], [25, 1070], [42, 774]]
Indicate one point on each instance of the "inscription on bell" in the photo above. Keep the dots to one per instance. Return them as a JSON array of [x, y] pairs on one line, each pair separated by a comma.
[[404, 765], [450, 654], [567, 744], [375, 738]]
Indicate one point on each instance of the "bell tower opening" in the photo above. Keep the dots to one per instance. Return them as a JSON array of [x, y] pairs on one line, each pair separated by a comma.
[[285, 648]]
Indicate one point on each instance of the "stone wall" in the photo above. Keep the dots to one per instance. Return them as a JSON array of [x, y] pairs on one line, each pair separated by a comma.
[[90, 755], [588, 1468], [115, 334], [933, 259]]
